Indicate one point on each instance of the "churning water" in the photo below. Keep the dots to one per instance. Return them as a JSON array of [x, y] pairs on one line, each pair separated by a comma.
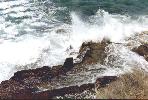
[[34, 33]]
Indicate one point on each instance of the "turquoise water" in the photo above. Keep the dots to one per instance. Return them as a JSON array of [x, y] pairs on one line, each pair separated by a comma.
[[90, 7], [85, 8]]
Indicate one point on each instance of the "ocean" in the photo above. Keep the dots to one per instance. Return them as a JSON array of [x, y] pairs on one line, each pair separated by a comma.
[[36, 33]]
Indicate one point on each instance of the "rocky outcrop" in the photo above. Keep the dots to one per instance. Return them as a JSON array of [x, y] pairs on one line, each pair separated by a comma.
[[27, 80], [142, 50], [62, 92], [70, 80], [53, 93], [93, 52], [27, 83]]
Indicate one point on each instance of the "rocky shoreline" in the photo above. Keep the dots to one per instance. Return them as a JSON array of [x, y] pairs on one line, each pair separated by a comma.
[[59, 81]]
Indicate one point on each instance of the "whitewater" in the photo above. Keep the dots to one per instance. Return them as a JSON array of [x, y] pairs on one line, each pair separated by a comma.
[[31, 36]]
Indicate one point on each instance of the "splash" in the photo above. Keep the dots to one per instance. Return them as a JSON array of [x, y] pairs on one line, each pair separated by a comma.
[[28, 37], [104, 25]]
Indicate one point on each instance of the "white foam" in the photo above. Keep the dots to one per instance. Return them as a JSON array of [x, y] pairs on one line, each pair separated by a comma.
[[9, 4], [119, 56], [22, 52], [50, 48], [114, 27]]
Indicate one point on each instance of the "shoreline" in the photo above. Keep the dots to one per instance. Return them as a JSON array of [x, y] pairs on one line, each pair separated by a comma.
[[30, 83]]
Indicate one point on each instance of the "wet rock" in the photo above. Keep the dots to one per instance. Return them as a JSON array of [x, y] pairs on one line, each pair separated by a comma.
[[28, 80], [25, 83], [102, 82], [68, 64], [61, 31], [93, 52], [39, 72], [52, 93], [142, 50], [105, 80], [7, 88]]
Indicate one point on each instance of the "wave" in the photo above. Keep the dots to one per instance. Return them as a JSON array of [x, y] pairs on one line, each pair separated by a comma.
[[35, 41]]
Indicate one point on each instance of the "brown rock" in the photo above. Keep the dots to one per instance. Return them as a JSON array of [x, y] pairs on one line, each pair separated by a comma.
[[93, 52], [101, 82], [56, 92], [24, 84], [142, 50]]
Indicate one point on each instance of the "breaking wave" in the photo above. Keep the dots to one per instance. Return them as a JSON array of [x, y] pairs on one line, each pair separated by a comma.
[[31, 37]]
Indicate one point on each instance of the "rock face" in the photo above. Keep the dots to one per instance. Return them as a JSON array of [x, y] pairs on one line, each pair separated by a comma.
[[142, 50]]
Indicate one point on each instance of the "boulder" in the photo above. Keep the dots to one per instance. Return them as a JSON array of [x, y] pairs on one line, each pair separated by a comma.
[[142, 50], [91, 52]]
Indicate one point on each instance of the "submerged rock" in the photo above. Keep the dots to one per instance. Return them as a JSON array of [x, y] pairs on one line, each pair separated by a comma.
[[142, 50]]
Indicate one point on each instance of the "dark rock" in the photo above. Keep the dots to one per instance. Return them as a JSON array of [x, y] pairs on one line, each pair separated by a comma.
[[27, 80], [61, 31], [142, 50], [24, 84], [39, 72], [52, 93], [106, 40], [103, 81], [68, 64]]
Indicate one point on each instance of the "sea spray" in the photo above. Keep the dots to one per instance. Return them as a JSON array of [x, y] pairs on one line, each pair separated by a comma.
[[29, 33]]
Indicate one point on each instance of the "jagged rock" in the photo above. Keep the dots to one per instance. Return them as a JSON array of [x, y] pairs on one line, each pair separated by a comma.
[[93, 52], [27, 80], [142, 50], [68, 64], [25, 83]]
